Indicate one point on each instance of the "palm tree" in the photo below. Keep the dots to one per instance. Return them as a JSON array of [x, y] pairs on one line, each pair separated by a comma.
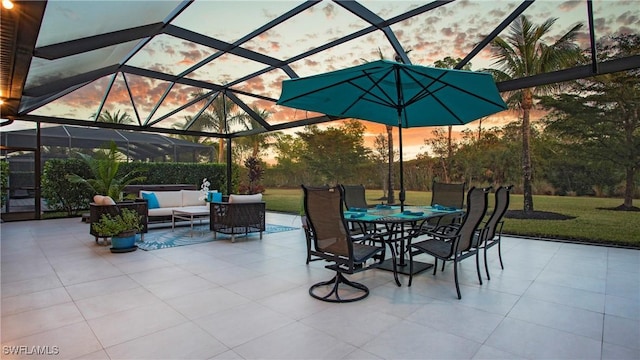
[[114, 118], [521, 54], [256, 142], [218, 115], [197, 126], [193, 138]]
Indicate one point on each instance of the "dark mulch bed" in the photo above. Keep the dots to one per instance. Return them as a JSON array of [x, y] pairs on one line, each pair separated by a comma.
[[547, 215], [621, 208], [536, 215]]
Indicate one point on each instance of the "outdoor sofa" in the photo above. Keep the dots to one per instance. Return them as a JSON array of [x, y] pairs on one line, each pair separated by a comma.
[[163, 199]]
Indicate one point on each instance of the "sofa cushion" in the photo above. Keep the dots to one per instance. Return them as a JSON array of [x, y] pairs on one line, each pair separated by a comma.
[[192, 197], [162, 211], [169, 198], [152, 199], [236, 198]]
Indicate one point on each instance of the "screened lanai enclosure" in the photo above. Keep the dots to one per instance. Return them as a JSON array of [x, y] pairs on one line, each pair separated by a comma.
[[208, 68], [62, 141]]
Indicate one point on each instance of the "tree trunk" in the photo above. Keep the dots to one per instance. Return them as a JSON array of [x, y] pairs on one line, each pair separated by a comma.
[[630, 170], [527, 104], [220, 151], [390, 196], [629, 187], [447, 166]]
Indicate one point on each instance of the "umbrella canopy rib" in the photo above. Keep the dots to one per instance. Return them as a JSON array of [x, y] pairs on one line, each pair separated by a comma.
[[447, 83], [365, 92]]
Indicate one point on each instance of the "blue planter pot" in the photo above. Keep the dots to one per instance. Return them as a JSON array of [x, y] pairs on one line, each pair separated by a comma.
[[123, 243]]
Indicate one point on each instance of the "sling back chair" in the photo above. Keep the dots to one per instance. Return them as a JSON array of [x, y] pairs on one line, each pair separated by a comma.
[[455, 242], [308, 235], [448, 194], [491, 233], [354, 196], [332, 242], [355, 199], [444, 196]]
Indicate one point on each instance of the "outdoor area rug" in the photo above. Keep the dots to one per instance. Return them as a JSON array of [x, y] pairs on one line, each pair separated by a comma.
[[163, 239]]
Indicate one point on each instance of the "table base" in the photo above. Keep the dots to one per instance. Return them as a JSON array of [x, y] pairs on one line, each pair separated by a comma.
[[188, 216], [404, 269]]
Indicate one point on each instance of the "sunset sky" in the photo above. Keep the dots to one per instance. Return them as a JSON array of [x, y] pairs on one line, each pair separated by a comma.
[[450, 30]]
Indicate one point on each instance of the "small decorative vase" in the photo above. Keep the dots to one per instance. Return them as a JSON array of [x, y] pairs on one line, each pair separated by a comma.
[[124, 242]]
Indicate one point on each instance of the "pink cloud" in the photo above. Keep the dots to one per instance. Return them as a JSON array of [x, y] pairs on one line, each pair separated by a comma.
[[447, 31], [570, 5], [627, 19], [329, 11]]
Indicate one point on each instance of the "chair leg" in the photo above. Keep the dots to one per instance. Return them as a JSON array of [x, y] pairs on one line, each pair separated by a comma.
[[486, 266], [478, 266], [334, 294], [410, 267], [455, 275], [500, 254], [435, 266]]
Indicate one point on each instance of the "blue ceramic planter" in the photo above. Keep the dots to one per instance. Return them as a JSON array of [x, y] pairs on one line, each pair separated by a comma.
[[123, 244]]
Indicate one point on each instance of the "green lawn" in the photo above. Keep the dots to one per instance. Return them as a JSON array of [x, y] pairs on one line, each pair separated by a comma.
[[590, 224]]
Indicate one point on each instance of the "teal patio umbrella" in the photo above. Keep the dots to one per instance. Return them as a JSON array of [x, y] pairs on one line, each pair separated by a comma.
[[396, 94]]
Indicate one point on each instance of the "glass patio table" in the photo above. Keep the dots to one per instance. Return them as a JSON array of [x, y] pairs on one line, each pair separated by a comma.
[[397, 224]]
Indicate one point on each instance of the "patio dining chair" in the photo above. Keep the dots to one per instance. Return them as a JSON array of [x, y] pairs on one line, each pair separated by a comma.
[[491, 233], [308, 235], [446, 195], [333, 242], [454, 242], [355, 199], [355, 196]]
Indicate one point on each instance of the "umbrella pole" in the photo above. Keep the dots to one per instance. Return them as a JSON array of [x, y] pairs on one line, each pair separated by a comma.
[[400, 106], [402, 195]]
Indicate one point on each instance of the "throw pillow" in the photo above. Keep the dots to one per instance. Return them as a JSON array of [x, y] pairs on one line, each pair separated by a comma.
[[234, 198], [152, 200], [107, 200], [214, 196], [98, 199]]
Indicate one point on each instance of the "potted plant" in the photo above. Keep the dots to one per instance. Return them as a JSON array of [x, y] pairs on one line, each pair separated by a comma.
[[121, 227]]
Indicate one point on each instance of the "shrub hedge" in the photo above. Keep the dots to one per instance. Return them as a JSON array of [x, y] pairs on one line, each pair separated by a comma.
[[62, 195]]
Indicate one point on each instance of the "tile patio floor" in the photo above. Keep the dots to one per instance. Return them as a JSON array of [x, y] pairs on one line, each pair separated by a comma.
[[245, 300]]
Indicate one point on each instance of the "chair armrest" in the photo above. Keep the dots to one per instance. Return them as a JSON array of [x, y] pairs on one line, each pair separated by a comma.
[[444, 232]]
